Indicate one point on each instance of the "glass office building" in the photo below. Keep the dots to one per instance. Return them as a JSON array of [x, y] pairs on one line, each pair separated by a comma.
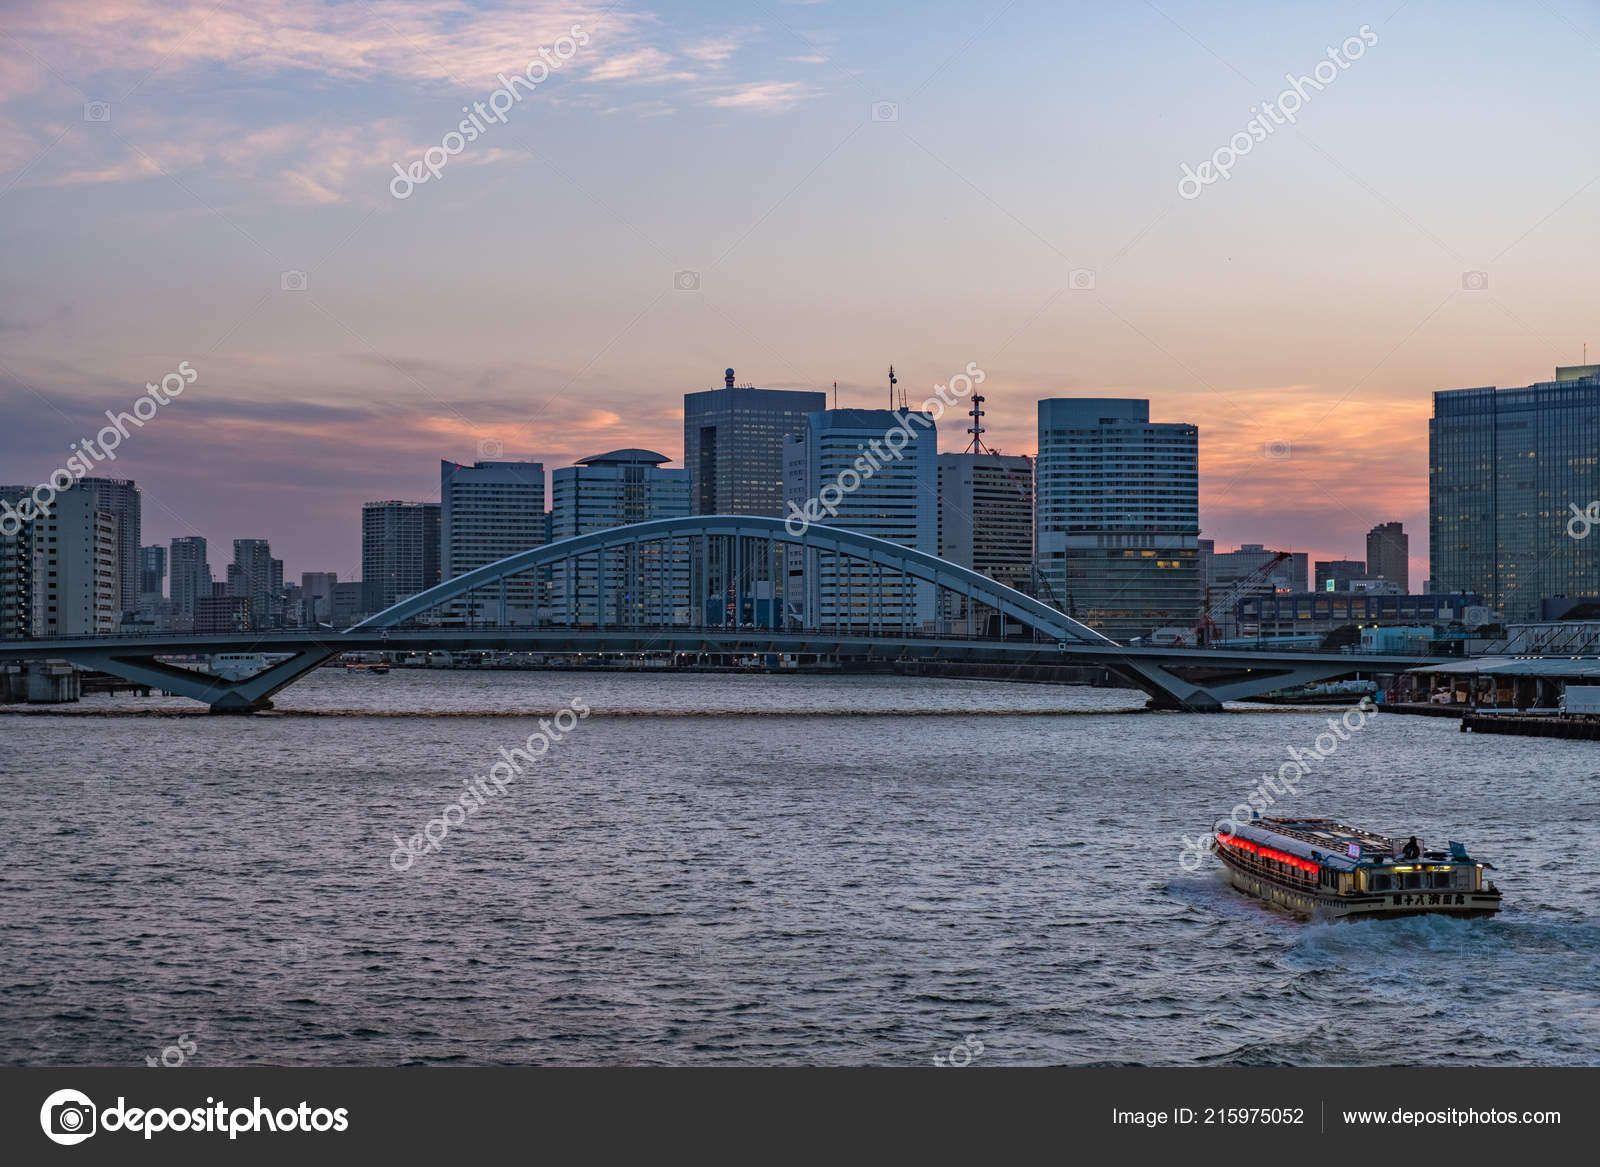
[[487, 512], [1117, 515], [1506, 467], [645, 583], [897, 501], [733, 446]]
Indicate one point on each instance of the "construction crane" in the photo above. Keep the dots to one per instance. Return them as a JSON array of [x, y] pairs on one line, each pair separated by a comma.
[[1204, 630]]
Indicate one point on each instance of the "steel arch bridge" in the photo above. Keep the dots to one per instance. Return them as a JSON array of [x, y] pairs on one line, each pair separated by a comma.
[[665, 585], [737, 550]]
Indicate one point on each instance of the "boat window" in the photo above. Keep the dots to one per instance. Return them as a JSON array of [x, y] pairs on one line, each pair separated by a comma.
[[1443, 879], [1413, 881], [1381, 883]]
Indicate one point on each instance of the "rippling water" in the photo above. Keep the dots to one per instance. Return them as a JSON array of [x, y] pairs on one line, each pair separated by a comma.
[[749, 869]]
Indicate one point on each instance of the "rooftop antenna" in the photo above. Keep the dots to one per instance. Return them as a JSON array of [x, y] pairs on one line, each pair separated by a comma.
[[836, 395], [891, 386], [976, 428]]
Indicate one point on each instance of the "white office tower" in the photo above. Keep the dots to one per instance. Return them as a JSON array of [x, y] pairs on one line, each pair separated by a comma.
[[873, 471], [986, 524], [647, 583]]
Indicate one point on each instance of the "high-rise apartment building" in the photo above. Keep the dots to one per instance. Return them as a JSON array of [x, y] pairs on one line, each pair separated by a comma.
[[1512, 474], [488, 511], [16, 568], [58, 571], [120, 498], [1117, 515], [190, 576], [399, 552], [644, 584], [897, 501], [256, 576], [733, 445], [1389, 555]]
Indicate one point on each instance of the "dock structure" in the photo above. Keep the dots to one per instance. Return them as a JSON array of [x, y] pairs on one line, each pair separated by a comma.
[[1580, 728]]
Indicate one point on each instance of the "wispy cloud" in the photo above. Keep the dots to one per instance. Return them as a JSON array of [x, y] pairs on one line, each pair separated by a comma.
[[765, 96], [712, 52], [57, 54], [642, 66]]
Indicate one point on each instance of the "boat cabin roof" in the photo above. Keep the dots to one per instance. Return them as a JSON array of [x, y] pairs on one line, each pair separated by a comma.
[[1328, 841]]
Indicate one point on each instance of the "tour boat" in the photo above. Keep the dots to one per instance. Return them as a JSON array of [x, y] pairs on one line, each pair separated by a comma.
[[1320, 867]]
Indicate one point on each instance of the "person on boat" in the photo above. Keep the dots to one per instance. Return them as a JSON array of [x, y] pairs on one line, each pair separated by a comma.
[[1412, 849]]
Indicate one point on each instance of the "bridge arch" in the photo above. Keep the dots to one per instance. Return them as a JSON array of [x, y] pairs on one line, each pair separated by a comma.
[[881, 553]]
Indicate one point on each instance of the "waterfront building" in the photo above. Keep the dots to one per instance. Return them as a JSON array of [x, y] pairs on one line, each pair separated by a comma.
[[1117, 515], [1284, 614], [1388, 554], [16, 569], [986, 520], [488, 511], [399, 551], [616, 489], [58, 572], [1512, 474], [120, 498], [898, 500], [733, 445]]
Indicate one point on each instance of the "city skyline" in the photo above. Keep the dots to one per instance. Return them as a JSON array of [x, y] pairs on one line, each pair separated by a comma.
[[568, 278]]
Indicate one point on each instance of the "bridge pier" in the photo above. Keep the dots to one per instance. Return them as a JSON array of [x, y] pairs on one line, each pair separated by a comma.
[[249, 695]]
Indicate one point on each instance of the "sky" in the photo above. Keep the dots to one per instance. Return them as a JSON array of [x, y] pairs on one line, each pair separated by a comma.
[[807, 192]]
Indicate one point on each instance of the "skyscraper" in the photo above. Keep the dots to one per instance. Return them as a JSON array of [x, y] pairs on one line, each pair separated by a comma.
[[1389, 555], [256, 576], [58, 572], [614, 490], [152, 574], [120, 498], [897, 501], [986, 518], [399, 552], [733, 445], [1509, 472], [488, 511], [16, 569], [1117, 515], [191, 576]]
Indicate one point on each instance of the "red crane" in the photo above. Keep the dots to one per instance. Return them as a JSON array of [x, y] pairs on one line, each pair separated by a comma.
[[1205, 628]]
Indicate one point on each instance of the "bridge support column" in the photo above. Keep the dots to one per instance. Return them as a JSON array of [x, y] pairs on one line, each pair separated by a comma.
[[223, 695]]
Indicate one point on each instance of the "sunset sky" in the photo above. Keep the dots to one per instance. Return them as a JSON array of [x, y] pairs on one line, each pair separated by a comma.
[[855, 185]]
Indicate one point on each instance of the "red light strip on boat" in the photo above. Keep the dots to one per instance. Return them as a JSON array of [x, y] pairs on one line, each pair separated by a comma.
[[1267, 852]]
